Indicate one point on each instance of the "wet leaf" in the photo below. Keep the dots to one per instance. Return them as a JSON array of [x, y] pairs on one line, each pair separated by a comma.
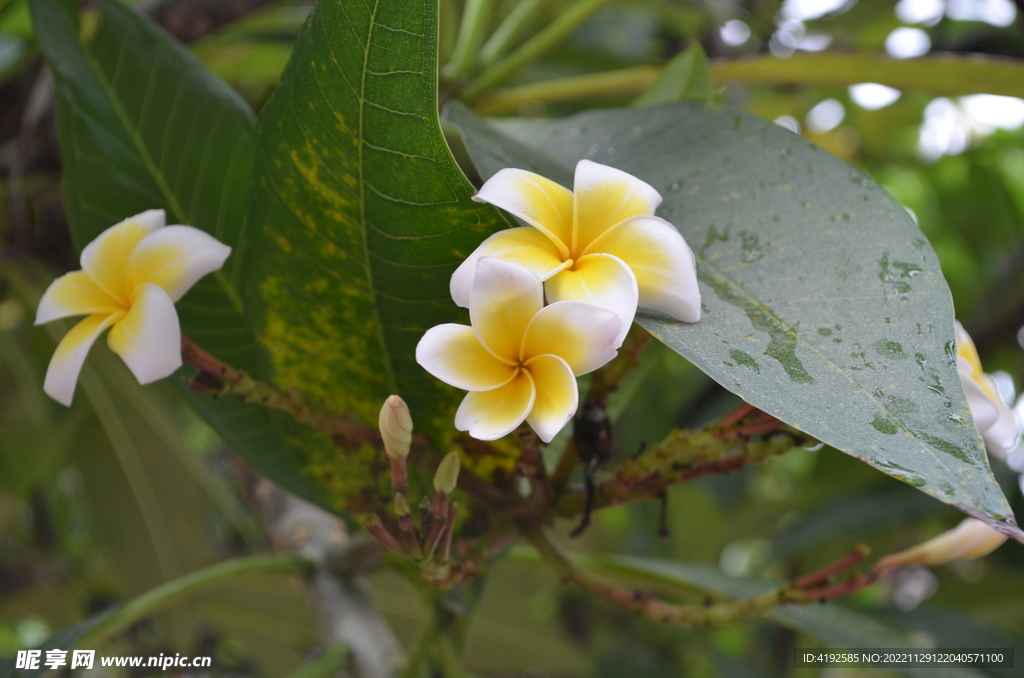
[[183, 142], [823, 303]]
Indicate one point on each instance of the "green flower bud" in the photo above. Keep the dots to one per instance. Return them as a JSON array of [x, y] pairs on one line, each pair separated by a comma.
[[395, 427], [447, 473], [401, 506]]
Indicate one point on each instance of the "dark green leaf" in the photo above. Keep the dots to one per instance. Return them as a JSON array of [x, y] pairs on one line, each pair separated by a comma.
[[823, 303], [687, 76], [359, 217], [143, 124], [852, 516]]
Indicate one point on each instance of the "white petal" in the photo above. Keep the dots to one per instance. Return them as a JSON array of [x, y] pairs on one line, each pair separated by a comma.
[[538, 201], [175, 257], [525, 246], [662, 262], [604, 196], [983, 410], [453, 354], [105, 259], [970, 539], [75, 294], [148, 338], [504, 299], [66, 363], [1001, 434], [599, 279], [489, 415], [557, 395], [583, 335]]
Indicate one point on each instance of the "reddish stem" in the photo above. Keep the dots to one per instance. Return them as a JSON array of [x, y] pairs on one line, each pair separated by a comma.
[[734, 416], [446, 541], [822, 576], [192, 354]]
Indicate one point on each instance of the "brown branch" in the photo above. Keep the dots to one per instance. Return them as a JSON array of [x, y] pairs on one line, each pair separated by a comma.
[[715, 613], [218, 379], [687, 455]]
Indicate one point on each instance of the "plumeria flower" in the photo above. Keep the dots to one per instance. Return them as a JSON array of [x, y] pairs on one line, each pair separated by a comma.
[[970, 539], [131, 276], [520, 358], [995, 421], [600, 243]]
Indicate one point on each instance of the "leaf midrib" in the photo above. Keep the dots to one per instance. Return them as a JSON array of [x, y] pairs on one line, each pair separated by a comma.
[[367, 264], [154, 170]]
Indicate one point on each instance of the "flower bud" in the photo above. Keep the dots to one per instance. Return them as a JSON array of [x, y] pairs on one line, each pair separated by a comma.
[[401, 506], [395, 427], [970, 539], [447, 473]]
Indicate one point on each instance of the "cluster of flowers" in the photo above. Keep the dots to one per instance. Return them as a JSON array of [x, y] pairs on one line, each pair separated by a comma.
[[547, 302], [593, 254]]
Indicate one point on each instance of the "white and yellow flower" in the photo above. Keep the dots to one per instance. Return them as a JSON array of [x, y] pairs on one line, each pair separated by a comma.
[[970, 539], [995, 421], [131, 276], [520, 359], [599, 243]]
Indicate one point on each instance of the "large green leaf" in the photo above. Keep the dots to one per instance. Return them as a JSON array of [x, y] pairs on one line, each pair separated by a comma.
[[359, 217], [143, 124], [823, 303]]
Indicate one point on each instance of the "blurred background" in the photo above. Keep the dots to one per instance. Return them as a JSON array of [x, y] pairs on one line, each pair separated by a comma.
[[128, 489]]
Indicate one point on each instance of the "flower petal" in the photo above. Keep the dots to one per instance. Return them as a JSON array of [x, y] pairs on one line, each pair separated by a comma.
[[970, 539], [604, 196], [525, 246], [662, 262], [453, 354], [599, 279], [583, 335], [557, 395], [148, 338], [504, 299], [74, 294], [538, 201], [1001, 434], [175, 257], [66, 363], [105, 259], [983, 409], [489, 415]]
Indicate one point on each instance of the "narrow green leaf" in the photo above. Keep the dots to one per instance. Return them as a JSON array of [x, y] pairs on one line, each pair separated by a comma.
[[143, 124], [687, 76], [90, 633], [941, 74], [360, 215], [823, 303]]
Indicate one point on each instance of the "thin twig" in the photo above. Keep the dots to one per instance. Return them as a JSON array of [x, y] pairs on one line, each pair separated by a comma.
[[714, 613]]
